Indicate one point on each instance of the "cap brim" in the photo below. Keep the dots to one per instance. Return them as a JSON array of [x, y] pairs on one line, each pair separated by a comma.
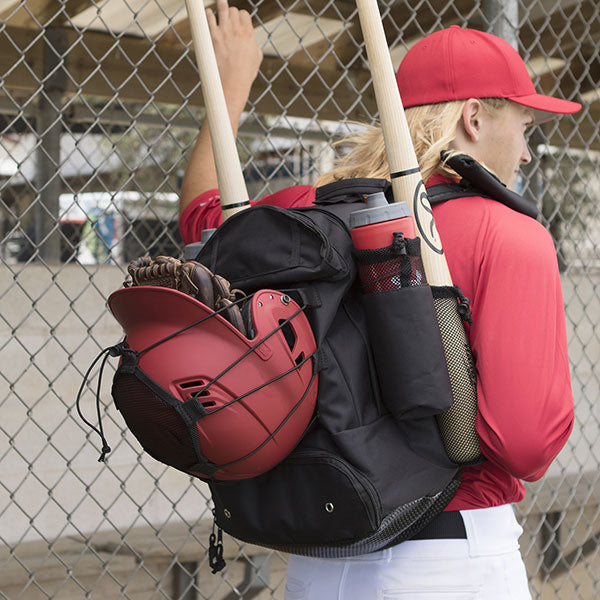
[[546, 107]]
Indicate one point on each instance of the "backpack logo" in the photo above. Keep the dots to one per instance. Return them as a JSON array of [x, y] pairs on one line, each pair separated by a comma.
[[424, 219]]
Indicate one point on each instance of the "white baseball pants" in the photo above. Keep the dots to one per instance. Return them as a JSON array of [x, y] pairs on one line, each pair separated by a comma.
[[485, 566]]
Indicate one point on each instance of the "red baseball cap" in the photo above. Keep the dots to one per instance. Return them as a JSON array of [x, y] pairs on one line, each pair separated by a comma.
[[457, 64]]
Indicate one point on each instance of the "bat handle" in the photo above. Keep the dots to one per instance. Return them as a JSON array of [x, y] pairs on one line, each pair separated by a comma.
[[232, 187]]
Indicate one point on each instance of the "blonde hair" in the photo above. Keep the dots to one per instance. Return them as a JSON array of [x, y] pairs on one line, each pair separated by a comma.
[[432, 128]]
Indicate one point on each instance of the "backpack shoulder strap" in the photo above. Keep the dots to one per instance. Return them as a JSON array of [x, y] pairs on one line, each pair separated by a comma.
[[478, 181], [442, 192]]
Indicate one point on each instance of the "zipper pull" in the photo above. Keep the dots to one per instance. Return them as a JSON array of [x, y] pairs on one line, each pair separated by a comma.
[[215, 550]]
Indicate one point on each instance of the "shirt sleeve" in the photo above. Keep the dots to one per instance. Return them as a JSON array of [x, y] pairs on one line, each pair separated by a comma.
[[204, 212], [519, 345]]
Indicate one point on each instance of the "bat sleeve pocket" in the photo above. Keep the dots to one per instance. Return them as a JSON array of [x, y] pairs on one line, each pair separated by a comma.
[[403, 330]]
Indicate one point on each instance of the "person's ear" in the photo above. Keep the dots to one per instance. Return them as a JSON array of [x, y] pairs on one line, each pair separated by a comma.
[[471, 119]]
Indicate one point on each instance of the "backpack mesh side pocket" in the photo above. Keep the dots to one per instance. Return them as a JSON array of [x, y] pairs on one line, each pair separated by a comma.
[[396, 266], [156, 425], [457, 425]]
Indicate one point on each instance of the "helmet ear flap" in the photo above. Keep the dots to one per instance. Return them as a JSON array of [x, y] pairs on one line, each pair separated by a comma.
[[273, 310]]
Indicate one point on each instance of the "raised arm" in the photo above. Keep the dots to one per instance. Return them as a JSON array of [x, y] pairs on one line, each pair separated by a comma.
[[238, 58]]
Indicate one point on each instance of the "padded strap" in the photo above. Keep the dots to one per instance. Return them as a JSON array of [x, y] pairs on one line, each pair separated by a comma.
[[478, 181]]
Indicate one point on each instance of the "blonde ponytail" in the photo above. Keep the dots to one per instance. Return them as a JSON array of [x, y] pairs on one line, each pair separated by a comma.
[[432, 128]]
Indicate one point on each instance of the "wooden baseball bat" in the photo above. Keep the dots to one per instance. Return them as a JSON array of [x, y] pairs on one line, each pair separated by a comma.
[[232, 187], [407, 184], [457, 425]]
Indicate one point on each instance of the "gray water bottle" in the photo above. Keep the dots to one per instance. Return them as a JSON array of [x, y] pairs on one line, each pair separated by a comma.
[[190, 251]]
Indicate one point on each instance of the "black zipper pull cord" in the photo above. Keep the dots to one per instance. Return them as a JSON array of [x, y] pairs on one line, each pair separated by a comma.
[[464, 306], [215, 550], [115, 350], [399, 244]]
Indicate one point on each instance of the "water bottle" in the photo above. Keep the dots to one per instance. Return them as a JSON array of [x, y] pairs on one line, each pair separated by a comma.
[[190, 251], [383, 236], [374, 226]]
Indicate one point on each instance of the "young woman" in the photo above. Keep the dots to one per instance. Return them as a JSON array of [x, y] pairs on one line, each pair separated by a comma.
[[467, 92]]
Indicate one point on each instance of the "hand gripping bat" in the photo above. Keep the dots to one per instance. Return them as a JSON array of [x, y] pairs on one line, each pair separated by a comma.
[[457, 425], [232, 188]]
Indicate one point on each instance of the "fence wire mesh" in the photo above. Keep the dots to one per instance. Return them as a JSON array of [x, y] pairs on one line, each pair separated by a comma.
[[100, 104]]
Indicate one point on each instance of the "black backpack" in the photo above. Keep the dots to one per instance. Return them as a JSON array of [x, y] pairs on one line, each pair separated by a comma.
[[371, 470]]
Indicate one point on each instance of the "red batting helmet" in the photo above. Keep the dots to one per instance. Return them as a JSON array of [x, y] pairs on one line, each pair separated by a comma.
[[199, 395]]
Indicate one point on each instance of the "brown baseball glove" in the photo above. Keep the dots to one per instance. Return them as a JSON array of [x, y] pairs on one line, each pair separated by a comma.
[[192, 278]]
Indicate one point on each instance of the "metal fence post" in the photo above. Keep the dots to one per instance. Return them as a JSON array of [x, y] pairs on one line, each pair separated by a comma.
[[503, 19], [48, 160]]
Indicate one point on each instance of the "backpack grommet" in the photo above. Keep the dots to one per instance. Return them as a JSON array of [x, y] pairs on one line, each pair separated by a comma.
[[227, 513], [329, 507]]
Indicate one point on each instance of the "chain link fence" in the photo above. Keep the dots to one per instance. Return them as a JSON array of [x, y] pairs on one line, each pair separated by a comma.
[[99, 107]]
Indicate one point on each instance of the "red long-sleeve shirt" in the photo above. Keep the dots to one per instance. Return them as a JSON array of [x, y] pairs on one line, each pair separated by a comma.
[[505, 262]]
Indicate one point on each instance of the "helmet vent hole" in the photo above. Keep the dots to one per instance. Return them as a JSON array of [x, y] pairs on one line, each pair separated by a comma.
[[208, 403], [299, 358], [288, 334], [192, 384]]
